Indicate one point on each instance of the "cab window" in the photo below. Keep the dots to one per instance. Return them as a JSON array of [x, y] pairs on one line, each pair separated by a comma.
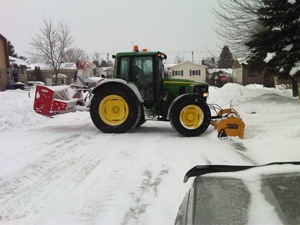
[[124, 68]]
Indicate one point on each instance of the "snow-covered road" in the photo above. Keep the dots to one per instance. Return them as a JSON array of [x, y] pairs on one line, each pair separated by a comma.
[[65, 171]]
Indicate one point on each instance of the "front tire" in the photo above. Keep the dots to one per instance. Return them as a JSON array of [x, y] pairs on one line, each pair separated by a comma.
[[115, 109], [190, 116]]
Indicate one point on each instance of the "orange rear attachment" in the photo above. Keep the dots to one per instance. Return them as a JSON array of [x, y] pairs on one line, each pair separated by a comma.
[[230, 124]]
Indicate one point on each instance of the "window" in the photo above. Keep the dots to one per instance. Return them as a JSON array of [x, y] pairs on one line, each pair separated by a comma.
[[20, 71], [143, 65], [124, 68], [161, 69], [177, 73], [253, 73], [195, 72], [48, 75], [142, 75]]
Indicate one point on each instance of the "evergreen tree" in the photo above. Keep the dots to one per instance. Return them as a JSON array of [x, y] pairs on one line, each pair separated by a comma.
[[11, 50], [37, 73], [225, 60], [103, 64], [276, 49]]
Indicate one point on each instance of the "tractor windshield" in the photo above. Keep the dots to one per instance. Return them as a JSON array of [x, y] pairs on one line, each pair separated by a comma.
[[142, 75]]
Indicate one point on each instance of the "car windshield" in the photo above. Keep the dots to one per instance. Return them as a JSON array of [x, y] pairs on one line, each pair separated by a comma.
[[246, 198]]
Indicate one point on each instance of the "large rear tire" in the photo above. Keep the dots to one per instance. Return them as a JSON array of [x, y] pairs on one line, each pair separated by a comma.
[[190, 116], [115, 109]]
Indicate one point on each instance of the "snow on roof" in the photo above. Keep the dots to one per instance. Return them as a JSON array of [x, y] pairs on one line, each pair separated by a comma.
[[242, 60], [225, 71], [169, 66], [185, 63], [17, 62], [60, 75]]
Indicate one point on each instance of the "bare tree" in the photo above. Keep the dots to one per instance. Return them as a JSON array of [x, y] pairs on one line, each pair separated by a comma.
[[52, 44], [237, 21], [96, 58], [75, 54], [178, 59], [210, 62], [97, 61]]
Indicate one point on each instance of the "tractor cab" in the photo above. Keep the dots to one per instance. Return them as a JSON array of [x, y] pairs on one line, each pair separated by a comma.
[[144, 69]]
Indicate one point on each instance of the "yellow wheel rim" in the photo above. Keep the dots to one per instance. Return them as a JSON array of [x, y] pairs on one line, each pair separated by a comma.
[[191, 117], [113, 110]]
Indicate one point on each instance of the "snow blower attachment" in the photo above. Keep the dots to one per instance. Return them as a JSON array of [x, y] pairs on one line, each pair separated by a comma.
[[50, 101], [57, 100], [230, 124]]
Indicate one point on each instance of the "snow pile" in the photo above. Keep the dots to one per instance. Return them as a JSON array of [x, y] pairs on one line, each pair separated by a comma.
[[276, 110], [17, 110]]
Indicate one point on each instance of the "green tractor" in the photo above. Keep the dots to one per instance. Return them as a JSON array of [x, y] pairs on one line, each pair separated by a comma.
[[139, 92]]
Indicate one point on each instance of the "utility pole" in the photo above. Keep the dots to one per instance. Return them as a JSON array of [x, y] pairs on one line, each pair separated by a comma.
[[192, 56], [108, 72]]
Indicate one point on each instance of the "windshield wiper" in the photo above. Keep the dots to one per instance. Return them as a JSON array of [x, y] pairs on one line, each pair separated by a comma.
[[204, 169]]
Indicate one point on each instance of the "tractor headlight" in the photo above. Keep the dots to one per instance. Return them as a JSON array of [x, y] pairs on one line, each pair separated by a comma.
[[205, 94]]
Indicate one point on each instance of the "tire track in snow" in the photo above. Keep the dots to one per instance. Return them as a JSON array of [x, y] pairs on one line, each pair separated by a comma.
[[113, 183], [148, 188], [241, 150], [32, 189]]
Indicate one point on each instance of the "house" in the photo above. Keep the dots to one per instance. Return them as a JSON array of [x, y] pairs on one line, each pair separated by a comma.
[[245, 76], [65, 77], [4, 64], [18, 70], [187, 70], [12, 70], [105, 72]]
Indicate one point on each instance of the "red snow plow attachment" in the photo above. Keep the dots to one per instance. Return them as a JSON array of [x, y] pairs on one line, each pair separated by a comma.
[[58, 99], [50, 101]]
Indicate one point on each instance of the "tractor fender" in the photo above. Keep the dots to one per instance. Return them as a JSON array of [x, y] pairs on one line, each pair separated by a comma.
[[128, 84], [176, 99]]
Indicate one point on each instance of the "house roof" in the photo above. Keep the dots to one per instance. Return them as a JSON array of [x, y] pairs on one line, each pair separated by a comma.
[[186, 62], [17, 62], [60, 75], [5, 49], [225, 71]]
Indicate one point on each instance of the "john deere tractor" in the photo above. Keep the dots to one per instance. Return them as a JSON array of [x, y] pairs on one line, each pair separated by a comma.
[[139, 91]]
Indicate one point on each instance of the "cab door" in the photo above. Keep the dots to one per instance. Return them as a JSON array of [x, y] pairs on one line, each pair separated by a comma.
[[141, 73]]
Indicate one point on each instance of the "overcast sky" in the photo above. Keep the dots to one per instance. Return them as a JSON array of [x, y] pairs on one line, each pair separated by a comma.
[[110, 26]]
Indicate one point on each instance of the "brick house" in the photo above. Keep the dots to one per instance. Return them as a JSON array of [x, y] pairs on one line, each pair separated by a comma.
[[4, 63], [244, 76], [18, 70]]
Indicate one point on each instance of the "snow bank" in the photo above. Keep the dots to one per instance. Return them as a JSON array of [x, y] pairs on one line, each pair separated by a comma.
[[17, 110], [17, 106]]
